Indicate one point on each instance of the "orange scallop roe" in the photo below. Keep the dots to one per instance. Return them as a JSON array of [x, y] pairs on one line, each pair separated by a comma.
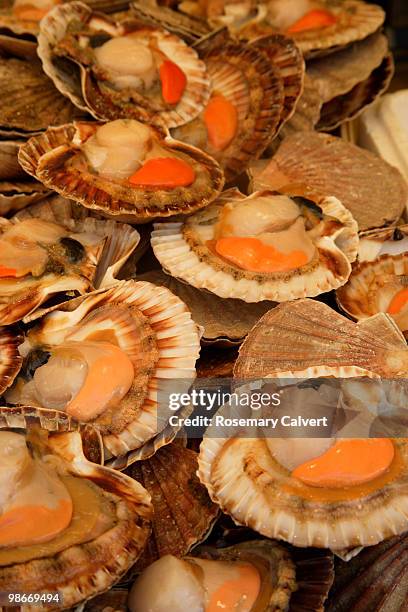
[[232, 593], [33, 523], [173, 82], [318, 18], [163, 173], [348, 463], [5, 271], [398, 302], [252, 254], [221, 121]]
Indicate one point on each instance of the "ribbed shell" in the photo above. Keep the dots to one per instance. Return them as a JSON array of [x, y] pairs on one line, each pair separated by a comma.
[[218, 317], [309, 336], [355, 21], [190, 262], [91, 96], [183, 512], [391, 240], [16, 195], [30, 102], [45, 157], [10, 358], [82, 571], [352, 104], [253, 84], [310, 163], [375, 580], [285, 55], [167, 348], [9, 166]]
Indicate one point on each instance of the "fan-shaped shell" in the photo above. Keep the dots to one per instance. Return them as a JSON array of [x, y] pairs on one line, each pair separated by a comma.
[[49, 157], [322, 343], [352, 104], [79, 572], [312, 163], [17, 194], [165, 347], [372, 287], [185, 255], [30, 101], [183, 512], [9, 166], [248, 79], [216, 316], [355, 20], [97, 265], [63, 21], [376, 580]]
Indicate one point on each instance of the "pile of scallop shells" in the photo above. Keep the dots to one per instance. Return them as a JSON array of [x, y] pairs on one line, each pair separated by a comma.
[[172, 206]]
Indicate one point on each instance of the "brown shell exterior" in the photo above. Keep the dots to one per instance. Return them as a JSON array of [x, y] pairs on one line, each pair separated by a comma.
[[377, 579], [285, 55], [350, 105], [45, 157], [30, 101], [310, 163], [183, 511], [82, 571], [322, 337], [217, 316]]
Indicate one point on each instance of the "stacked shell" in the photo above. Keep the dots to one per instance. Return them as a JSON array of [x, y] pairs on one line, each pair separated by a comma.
[[314, 492]]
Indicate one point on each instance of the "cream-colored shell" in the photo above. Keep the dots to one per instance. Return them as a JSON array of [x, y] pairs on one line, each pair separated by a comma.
[[179, 259]]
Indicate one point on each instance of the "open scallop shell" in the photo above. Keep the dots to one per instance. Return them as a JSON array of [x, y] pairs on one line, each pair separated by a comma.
[[326, 343], [90, 94], [185, 255], [376, 580], [312, 163], [217, 316], [352, 104], [9, 21], [17, 194], [247, 78], [355, 20], [30, 101], [183, 512], [50, 156], [372, 286], [167, 348], [79, 572], [240, 473], [120, 239], [111, 245]]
